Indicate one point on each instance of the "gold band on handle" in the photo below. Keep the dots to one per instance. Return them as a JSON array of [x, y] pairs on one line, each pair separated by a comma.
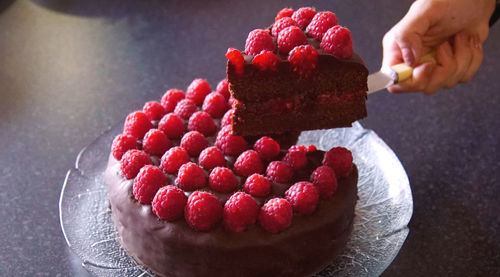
[[404, 71]]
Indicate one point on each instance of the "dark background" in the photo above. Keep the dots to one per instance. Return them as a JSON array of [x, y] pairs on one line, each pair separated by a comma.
[[69, 70]]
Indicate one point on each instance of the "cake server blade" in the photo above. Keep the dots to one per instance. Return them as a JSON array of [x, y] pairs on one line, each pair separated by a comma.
[[378, 81]]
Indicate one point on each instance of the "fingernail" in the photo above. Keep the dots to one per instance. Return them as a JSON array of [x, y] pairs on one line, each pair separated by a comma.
[[408, 56]]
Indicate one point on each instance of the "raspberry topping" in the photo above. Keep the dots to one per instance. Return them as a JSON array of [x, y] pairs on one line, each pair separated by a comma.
[[257, 185], [197, 90], [257, 41], [191, 177], [132, 161], [226, 119], [324, 179], [276, 215], [290, 37], [121, 144], [303, 196], [279, 172], [169, 203], [202, 122], [236, 59], [340, 160], [338, 42], [171, 98], [173, 159], [286, 12], [303, 16], [215, 104], [222, 179], [137, 124], [155, 142], [267, 148], [266, 60], [172, 125], [149, 180], [194, 142], [211, 157], [281, 24], [223, 88], [153, 110], [248, 163], [303, 60], [185, 108], [229, 144], [203, 210], [296, 159], [320, 23], [311, 148], [240, 211], [231, 102]]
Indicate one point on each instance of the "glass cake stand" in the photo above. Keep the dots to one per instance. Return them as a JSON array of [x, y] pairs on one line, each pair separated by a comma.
[[383, 210]]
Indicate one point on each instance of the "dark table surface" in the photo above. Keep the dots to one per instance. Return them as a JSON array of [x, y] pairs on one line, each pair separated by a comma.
[[69, 70]]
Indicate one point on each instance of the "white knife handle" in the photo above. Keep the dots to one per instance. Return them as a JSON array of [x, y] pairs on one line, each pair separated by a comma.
[[402, 71]]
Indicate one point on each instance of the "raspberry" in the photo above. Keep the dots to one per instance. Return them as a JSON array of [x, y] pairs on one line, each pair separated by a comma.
[[231, 102], [296, 159], [171, 98], [121, 144], [223, 88], [286, 12], [303, 16], [173, 159], [276, 215], [191, 177], [279, 172], [172, 125], [266, 60], [320, 23], [211, 157], [222, 179], [282, 24], [236, 59], [169, 203], [137, 124], [132, 161], [303, 196], [257, 41], [290, 37], [303, 60], [227, 118], [197, 90], [257, 185], [248, 163], [338, 42], [229, 144], [194, 142], [240, 211], [203, 210], [153, 110], [311, 148], [267, 148], [185, 108], [324, 179], [215, 104], [340, 160], [308, 149], [203, 123], [149, 180], [155, 142]]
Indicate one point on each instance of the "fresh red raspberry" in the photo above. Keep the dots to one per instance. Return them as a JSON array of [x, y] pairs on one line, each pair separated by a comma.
[[173, 159], [240, 211], [286, 12], [229, 144], [154, 110], [340, 160], [236, 59], [257, 41], [137, 124], [191, 177], [227, 118], [122, 143], [194, 142], [311, 148], [155, 142], [308, 149], [279, 172], [169, 203], [257, 185], [197, 90], [266, 60], [303, 16], [203, 210], [276, 215], [231, 102], [324, 179], [203, 123], [215, 104], [281, 24], [211, 157], [289, 38], [248, 163], [172, 125], [296, 159], [149, 180], [267, 148], [303, 60], [171, 98], [185, 108], [222, 179], [223, 88], [132, 161], [320, 23], [303, 196], [338, 42]]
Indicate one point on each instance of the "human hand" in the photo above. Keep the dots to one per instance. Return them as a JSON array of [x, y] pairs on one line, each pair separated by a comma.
[[454, 29]]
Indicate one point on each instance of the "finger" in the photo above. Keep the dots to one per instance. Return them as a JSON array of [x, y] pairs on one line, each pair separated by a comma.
[[417, 82], [391, 51], [477, 58], [445, 68], [462, 49]]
